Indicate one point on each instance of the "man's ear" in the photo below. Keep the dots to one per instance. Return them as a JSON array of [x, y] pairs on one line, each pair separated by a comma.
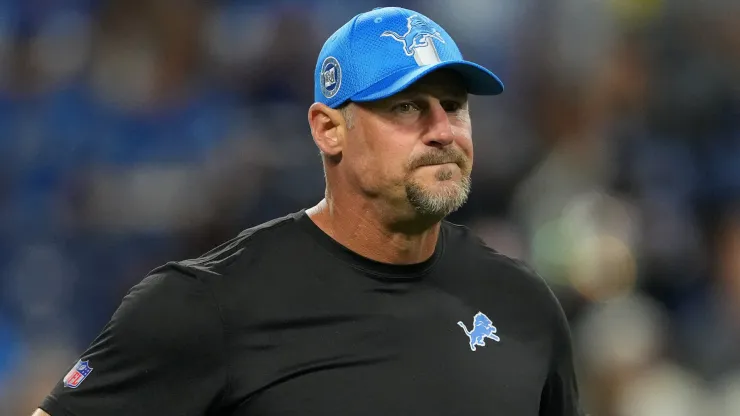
[[328, 129]]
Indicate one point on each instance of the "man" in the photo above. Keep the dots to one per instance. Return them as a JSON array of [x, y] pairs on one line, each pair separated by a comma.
[[368, 303]]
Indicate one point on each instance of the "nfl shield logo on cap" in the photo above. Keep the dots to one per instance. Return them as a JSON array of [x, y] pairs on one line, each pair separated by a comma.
[[77, 374]]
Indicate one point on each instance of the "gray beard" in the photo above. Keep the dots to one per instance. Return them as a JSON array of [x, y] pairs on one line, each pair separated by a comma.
[[440, 203]]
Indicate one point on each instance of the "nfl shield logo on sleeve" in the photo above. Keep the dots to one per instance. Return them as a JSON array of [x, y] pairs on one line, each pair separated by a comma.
[[77, 374]]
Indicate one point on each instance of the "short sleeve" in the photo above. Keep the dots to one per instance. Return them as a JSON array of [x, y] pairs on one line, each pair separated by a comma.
[[560, 395], [161, 353]]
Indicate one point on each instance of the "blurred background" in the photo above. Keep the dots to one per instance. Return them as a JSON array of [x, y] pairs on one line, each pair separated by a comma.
[[133, 132]]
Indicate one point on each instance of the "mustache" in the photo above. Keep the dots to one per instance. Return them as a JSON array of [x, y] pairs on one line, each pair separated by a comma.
[[447, 155]]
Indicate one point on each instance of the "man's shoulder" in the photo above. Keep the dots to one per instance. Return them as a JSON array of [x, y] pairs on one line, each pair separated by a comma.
[[469, 248], [248, 244], [464, 242]]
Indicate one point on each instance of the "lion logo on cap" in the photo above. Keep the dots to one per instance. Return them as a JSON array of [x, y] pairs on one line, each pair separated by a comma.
[[420, 32]]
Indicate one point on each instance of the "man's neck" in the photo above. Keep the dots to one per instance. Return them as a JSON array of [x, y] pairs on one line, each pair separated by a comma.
[[364, 230]]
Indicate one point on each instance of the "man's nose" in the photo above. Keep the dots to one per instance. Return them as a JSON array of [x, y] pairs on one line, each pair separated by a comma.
[[439, 132]]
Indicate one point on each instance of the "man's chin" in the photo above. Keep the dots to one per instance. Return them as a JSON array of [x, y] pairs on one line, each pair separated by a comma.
[[442, 186], [438, 199]]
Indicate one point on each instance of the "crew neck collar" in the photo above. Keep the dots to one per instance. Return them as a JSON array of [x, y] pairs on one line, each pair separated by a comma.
[[367, 265]]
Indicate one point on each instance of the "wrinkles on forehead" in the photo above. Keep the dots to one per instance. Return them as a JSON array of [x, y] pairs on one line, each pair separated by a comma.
[[441, 83]]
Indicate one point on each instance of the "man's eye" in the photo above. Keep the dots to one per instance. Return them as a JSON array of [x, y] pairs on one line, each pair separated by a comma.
[[405, 108], [451, 106]]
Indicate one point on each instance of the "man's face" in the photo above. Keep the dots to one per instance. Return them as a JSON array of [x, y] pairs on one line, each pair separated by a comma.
[[414, 149]]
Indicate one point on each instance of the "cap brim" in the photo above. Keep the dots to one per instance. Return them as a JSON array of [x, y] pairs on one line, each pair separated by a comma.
[[478, 80]]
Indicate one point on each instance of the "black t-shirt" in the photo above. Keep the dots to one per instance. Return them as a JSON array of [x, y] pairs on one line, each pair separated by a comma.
[[283, 320]]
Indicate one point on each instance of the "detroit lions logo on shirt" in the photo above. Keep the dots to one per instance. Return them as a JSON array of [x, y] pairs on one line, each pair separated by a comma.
[[482, 328], [418, 40]]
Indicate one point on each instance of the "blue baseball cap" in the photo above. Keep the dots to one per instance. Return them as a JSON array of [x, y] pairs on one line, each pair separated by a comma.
[[382, 52]]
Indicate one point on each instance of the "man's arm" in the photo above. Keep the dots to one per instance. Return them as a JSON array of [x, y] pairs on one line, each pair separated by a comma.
[[40, 412], [161, 353], [560, 395]]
